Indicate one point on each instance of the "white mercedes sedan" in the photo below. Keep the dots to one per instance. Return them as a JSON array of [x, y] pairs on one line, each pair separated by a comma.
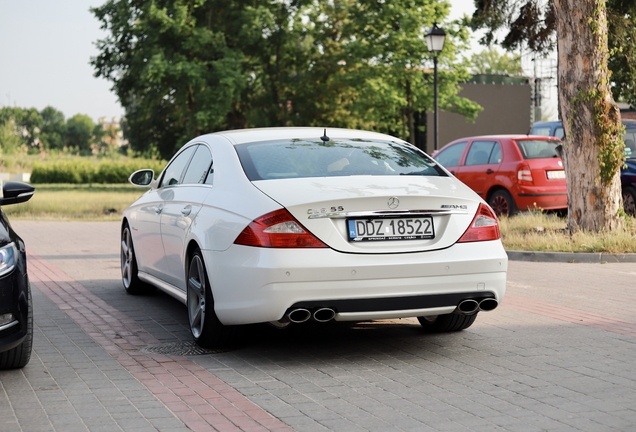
[[286, 225]]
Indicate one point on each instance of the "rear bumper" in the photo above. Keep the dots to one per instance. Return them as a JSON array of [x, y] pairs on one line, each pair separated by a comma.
[[253, 285], [547, 198]]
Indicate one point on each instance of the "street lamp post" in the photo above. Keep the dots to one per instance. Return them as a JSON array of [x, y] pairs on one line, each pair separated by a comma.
[[435, 42]]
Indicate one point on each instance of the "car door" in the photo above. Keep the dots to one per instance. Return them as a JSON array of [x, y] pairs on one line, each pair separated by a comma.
[[481, 166], [146, 224], [179, 210]]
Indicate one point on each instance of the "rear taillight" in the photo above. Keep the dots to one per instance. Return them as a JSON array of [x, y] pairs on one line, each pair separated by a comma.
[[483, 227], [524, 174], [278, 229]]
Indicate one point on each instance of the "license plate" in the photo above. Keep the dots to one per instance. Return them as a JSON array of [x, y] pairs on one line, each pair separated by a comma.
[[379, 229], [553, 175]]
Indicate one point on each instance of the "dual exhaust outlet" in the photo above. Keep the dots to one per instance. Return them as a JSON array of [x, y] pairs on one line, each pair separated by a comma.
[[471, 306], [325, 314], [300, 315]]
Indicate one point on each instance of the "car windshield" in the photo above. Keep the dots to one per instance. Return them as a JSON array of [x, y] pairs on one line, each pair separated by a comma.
[[338, 157], [537, 149]]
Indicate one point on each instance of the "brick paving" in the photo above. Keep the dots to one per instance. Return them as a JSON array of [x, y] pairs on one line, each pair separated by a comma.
[[558, 354]]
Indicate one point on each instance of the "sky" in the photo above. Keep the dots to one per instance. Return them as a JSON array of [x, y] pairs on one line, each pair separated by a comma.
[[45, 49]]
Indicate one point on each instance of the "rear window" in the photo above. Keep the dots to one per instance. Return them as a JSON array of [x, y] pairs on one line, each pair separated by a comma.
[[315, 158], [537, 149], [541, 130]]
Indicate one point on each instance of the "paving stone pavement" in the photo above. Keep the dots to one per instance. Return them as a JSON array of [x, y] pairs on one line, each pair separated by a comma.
[[557, 355]]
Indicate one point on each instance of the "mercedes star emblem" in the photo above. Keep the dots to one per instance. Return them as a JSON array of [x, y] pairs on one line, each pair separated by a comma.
[[393, 203]]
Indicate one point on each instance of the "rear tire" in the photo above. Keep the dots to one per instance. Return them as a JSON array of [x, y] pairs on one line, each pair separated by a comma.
[[19, 356], [207, 330], [447, 323], [629, 200], [129, 273], [502, 203]]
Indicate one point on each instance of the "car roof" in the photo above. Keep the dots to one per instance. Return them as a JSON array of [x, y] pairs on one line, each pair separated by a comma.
[[507, 136], [547, 123], [242, 136]]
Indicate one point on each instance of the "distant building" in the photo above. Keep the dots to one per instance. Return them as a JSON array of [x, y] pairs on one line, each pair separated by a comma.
[[507, 109]]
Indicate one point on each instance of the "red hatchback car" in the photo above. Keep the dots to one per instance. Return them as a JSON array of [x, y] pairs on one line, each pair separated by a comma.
[[511, 172]]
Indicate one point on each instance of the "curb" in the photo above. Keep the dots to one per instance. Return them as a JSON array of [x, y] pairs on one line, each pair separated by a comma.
[[571, 257]]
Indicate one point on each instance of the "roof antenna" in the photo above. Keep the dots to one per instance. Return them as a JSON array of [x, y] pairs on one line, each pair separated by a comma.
[[325, 138]]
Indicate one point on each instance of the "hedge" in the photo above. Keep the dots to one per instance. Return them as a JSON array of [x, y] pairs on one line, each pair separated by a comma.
[[90, 171]]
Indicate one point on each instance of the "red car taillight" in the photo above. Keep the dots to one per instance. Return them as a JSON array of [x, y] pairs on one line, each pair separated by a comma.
[[524, 174], [278, 229], [483, 227]]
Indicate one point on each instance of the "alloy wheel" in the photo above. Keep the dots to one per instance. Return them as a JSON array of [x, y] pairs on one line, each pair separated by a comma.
[[127, 257], [196, 296], [500, 205]]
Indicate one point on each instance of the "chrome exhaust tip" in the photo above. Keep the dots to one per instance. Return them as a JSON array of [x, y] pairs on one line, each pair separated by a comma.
[[324, 314], [299, 315], [468, 307], [488, 304]]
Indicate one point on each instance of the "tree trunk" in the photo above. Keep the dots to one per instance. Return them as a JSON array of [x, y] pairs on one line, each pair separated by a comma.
[[593, 148]]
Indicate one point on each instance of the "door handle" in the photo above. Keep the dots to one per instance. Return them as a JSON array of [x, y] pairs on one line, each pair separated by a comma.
[[186, 210], [158, 209], [489, 171]]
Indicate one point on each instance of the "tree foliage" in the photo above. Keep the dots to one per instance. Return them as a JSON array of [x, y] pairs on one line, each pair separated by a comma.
[[532, 24], [181, 68], [53, 129], [622, 44], [492, 61], [33, 131]]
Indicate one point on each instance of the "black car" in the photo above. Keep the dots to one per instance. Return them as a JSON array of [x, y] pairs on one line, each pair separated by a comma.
[[628, 171], [16, 309]]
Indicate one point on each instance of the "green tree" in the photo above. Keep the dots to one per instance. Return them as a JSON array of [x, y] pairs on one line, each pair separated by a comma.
[[593, 151], [491, 61], [27, 123], [53, 130], [181, 68], [10, 141], [79, 134], [171, 68], [621, 15]]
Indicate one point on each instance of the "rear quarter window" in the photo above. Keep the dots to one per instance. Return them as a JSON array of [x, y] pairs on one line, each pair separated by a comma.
[[450, 155]]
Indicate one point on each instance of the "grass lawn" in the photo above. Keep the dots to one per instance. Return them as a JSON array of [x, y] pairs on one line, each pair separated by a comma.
[[545, 232], [533, 231], [91, 202]]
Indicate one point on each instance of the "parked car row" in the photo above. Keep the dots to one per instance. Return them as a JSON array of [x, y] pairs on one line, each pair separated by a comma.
[[520, 172], [628, 171], [510, 172]]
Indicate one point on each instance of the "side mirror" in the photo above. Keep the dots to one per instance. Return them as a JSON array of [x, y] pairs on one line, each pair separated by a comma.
[[142, 177], [16, 192]]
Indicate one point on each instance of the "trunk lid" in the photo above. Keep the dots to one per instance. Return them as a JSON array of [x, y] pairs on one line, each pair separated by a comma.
[[328, 206]]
